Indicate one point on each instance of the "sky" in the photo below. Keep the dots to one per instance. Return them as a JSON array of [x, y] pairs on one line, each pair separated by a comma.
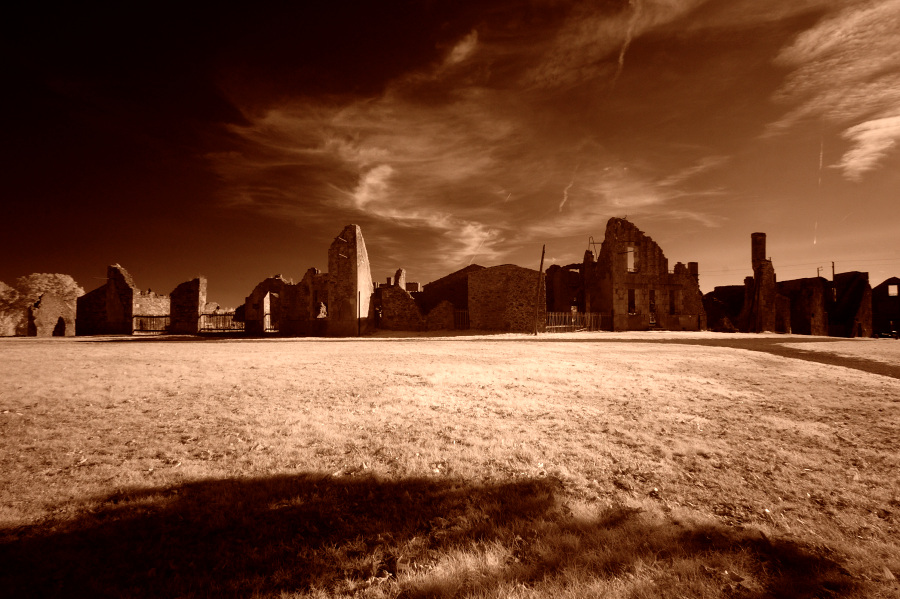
[[236, 144]]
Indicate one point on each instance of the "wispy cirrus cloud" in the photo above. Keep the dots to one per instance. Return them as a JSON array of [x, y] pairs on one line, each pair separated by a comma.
[[846, 72], [469, 151]]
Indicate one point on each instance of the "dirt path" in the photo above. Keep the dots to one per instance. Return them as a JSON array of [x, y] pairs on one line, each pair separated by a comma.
[[775, 346]]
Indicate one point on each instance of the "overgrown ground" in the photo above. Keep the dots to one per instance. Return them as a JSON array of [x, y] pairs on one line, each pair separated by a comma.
[[508, 466]]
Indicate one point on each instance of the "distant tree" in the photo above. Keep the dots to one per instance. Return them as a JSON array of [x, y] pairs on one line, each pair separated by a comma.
[[32, 286], [14, 301]]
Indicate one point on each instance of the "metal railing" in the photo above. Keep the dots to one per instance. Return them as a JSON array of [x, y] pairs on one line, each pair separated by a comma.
[[569, 322], [149, 325], [222, 322]]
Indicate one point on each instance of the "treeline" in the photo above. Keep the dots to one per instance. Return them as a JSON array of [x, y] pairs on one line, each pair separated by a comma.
[[16, 299]]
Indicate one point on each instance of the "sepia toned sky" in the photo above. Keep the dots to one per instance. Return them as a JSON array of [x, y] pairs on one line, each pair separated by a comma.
[[237, 143]]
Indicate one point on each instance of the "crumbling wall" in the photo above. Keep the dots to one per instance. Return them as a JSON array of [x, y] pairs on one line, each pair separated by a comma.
[[453, 288], [51, 316], [886, 307], [502, 298], [108, 310], [262, 308], [851, 313], [440, 318], [399, 311], [349, 283], [150, 303], [630, 281], [187, 302], [565, 288], [807, 307]]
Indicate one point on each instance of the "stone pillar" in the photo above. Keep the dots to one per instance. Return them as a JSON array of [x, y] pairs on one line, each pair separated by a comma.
[[349, 283]]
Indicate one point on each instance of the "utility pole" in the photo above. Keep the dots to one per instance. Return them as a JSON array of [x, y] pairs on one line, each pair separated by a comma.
[[818, 271], [537, 295], [832, 271]]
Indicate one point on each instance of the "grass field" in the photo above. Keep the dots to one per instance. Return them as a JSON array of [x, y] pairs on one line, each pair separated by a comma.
[[506, 466]]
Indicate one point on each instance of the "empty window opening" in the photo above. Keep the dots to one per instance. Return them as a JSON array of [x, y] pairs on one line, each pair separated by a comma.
[[631, 305], [652, 300], [672, 298], [630, 258], [892, 290]]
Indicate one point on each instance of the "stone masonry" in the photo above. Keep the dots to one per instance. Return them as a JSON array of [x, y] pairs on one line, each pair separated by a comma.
[[349, 284], [631, 283], [51, 316], [502, 298]]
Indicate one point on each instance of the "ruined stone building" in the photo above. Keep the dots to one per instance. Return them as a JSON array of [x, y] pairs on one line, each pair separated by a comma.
[[850, 308], [51, 316], [760, 304], [886, 307], [809, 306], [399, 308], [629, 284], [336, 303], [119, 307]]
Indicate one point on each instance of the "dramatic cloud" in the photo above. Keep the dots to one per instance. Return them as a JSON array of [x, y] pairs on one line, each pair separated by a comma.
[[846, 72], [872, 141]]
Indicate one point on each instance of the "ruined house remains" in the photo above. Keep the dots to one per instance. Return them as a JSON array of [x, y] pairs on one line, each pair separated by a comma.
[[119, 307], [629, 285], [336, 303], [886, 308], [809, 306], [51, 316]]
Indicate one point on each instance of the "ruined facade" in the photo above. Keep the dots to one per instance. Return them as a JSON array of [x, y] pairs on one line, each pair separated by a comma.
[[187, 302], [506, 298], [811, 306], [336, 303], [630, 285], [886, 308], [51, 316], [119, 307], [452, 288], [110, 309], [757, 306], [850, 314], [349, 283]]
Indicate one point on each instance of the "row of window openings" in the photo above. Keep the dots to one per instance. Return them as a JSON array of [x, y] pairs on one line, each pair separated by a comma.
[[632, 303]]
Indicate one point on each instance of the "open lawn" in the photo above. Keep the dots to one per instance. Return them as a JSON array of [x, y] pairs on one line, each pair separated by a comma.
[[641, 465]]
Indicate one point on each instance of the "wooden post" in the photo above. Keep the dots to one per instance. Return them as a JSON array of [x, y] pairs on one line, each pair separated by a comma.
[[537, 297]]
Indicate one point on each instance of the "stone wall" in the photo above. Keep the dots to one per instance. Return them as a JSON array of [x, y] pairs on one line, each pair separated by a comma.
[[630, 281], [440, 318], [51, 316], [150, 303], [502, 298], [187, 302], [399, 311], [807, 307], [453, 288], [565, 288], [851, 313], [108, 310], [886, 307], [349, 284]]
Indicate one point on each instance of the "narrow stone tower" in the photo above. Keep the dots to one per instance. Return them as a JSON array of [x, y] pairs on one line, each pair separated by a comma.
[[349, 283]]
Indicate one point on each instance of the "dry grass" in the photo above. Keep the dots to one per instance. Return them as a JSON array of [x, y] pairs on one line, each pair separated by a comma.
[[477, 467]]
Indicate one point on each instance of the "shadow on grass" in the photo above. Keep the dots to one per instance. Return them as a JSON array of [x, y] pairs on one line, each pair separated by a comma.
[[294, 534]]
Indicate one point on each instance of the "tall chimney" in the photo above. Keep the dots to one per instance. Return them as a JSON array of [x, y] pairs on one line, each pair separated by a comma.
[[757, 249]]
